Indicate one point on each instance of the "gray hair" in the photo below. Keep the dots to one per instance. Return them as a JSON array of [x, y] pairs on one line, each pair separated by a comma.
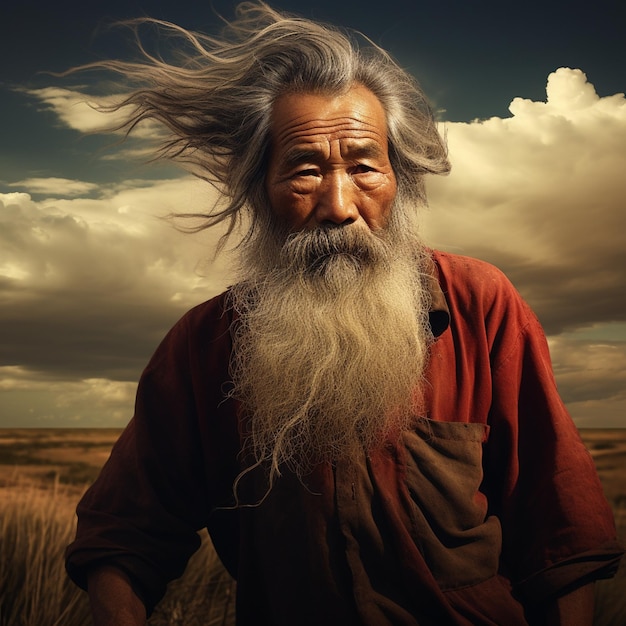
[[215, 100]]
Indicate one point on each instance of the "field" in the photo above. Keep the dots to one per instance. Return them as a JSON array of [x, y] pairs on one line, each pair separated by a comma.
[[42, 475], [44, 472]]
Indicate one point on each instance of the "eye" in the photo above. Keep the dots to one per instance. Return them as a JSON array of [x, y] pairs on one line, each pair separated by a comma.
[[306, 173], [363, 168]]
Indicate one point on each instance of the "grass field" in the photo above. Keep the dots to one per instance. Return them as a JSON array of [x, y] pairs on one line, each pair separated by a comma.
[[42, 475], [44, 472]]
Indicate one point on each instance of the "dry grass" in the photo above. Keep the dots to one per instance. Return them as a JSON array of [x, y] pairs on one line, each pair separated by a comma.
[[43, 473], [37, 522], [608, 448], [35, 527]]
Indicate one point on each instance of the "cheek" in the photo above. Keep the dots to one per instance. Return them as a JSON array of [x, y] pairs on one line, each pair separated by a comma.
[[294, 209], [382, 204]]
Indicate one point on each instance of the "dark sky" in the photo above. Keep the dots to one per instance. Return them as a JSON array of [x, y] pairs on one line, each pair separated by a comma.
[[472, 57]]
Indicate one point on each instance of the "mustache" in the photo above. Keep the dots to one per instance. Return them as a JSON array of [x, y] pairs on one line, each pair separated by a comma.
[[311, 251]]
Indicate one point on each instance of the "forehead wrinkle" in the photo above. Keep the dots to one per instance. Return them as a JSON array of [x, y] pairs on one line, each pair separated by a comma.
[[335, 129]]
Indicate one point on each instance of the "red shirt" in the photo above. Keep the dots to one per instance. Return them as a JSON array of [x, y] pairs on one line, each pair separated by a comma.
[[488, 508]]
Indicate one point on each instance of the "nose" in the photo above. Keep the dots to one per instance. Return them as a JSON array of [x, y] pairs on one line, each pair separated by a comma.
[[336, 201]]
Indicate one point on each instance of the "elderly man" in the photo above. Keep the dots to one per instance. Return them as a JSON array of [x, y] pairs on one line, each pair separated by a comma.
[[369, 429]]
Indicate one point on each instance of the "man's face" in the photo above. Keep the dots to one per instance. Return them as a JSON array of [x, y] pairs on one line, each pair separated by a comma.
[[329, 161]]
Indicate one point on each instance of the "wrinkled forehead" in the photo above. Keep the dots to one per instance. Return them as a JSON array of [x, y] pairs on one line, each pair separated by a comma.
[[299, 118]]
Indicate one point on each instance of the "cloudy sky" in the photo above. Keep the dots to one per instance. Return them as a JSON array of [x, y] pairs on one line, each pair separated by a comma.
[[530, 95]]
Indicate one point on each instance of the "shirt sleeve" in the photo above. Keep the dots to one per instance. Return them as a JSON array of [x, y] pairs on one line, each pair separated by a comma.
[[558, 528], [168, 469]]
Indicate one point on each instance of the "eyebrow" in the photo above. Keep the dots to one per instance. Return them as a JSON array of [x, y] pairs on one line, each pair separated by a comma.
[[361, 150], [297, 155]]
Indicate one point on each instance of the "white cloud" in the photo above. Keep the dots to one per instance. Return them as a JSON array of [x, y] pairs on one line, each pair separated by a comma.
[[56, 186], [592, 378], [29, 402], [601, 413], [82, 112], [88, 288], [113, 242], [588, 370], [541, 195]]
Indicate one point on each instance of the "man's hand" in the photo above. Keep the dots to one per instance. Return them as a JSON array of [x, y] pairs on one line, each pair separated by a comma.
[[573, 609], [113, 601]]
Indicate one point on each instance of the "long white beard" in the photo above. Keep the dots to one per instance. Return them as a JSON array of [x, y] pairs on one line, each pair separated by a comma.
[[331, 342]]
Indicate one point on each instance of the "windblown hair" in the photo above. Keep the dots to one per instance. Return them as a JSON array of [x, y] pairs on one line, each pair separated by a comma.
[[216, 98]]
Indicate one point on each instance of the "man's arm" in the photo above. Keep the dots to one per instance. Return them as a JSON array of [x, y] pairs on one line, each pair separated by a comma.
[[573, 609], [113, 601]]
